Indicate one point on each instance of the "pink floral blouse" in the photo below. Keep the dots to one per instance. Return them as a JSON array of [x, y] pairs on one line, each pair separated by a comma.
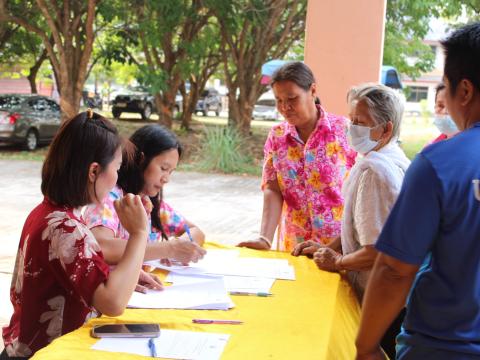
[[310, 177], [105, 215], [58, 268]]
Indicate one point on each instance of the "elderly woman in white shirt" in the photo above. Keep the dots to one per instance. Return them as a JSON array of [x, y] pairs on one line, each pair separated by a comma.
[[372, 186]]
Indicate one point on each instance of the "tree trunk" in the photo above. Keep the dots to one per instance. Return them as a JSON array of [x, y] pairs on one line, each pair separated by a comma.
[[70, 97], [240, 115], [190, 103], [32, 75], [165, 110], [233, 111]]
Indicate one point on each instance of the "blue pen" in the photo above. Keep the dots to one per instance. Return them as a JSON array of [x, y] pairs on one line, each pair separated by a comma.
[[153, 349], [114, 195], [187, 230]]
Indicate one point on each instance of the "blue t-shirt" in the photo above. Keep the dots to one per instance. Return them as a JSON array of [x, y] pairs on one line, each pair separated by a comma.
[[437, 214]]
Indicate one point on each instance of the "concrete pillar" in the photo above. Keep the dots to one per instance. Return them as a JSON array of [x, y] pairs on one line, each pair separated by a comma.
[[344, 46]]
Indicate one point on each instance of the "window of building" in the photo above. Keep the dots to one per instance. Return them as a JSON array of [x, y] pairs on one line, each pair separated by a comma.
[[417, 93]]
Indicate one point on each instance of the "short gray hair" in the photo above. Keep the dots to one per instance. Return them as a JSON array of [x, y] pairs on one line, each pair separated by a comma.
[[383, 103]]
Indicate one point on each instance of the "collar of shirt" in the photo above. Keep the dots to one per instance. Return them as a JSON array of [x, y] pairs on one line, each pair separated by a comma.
[[322, 120]]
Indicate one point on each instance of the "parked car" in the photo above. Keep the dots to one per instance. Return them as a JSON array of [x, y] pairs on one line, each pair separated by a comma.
[[28, 120], [209, 100], [390, 77], [139, 100], [266, 108], [92, 100]]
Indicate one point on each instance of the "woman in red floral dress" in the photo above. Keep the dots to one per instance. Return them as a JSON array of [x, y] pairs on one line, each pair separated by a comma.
[[60, 278]]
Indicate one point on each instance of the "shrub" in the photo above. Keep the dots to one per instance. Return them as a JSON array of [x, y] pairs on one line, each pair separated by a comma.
[[223, 150]]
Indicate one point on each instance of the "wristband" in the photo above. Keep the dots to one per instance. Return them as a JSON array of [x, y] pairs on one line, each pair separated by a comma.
[[264, 238]]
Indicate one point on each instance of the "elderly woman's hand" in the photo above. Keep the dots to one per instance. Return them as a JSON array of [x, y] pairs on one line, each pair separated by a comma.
[[306, 248], [327, 259]]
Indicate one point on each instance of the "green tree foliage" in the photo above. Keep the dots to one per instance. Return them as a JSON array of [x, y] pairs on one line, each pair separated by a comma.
[[254, 32], [24, 53], [407, 24], [67, 32], [167, 32]]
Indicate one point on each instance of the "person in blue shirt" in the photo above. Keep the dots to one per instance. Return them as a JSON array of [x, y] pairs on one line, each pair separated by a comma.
[[437, 214]]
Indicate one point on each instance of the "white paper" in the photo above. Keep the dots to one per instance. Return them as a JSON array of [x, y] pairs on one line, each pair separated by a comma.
[[207, 295], [232, 283], [172, 344], [251, 267]]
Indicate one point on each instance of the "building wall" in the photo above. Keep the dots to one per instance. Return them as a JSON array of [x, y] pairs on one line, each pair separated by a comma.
[[429, 80], [344, 46], [22, 86]]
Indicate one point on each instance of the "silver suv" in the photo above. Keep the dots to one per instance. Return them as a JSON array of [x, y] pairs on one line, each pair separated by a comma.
[[28, 120]]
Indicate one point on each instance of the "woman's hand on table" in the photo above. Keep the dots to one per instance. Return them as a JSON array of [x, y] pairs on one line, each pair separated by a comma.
[[185, 251], [327, 259], [148, 281], [257, 244], [307, 248]]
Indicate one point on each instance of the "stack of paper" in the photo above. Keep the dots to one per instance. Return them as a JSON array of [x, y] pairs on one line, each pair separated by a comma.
[[219, 263], [206, 295], [172, 344], [232, 283]]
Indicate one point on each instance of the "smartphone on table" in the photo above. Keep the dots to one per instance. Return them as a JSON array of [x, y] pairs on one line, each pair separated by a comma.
[[126, 330]]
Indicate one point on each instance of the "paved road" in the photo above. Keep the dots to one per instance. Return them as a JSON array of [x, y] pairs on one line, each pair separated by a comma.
[[228, 209]]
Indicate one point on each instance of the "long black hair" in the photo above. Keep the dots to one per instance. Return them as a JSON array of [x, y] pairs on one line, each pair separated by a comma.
[[149, 141]]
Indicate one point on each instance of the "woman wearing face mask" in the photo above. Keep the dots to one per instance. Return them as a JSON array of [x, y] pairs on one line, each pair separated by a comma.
[[371, 189], [442, 119], [306, 159]]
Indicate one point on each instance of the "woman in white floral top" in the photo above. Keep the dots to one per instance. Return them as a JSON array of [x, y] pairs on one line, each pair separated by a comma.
[[61, 278], [156, 156]]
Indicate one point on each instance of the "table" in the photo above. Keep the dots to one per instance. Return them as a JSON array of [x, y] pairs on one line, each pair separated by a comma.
[[314, 317]]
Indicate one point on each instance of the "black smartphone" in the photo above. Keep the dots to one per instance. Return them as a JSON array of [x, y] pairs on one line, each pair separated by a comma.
[[126, 330]]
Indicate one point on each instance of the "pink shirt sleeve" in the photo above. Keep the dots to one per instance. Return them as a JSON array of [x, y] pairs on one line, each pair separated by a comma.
[[104, 214], [269, 173], [173, 223]]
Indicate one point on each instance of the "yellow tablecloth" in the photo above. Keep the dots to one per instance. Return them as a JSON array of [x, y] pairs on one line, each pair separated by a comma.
[[314, 317]]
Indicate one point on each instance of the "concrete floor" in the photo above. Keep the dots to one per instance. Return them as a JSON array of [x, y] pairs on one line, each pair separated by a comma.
[[227, 208]]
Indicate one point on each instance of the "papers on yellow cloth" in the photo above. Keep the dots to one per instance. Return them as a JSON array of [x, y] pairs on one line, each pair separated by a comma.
[[318, 305], [228, 263], [232, 283], [172, 344], [206, 295]]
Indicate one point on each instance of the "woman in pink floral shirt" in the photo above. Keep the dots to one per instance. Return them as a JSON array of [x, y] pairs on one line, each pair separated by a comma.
[[60, 278], [306, 160], [156, 155]]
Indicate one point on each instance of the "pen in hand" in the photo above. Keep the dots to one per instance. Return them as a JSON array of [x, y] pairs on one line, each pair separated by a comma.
[[187, 230], [151, 346]]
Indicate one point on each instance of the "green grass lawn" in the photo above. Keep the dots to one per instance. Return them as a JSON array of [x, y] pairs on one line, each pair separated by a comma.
[[415, 133]]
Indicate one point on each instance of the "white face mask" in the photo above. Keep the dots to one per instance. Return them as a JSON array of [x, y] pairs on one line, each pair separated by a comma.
[[359, 138], [445, 124]]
